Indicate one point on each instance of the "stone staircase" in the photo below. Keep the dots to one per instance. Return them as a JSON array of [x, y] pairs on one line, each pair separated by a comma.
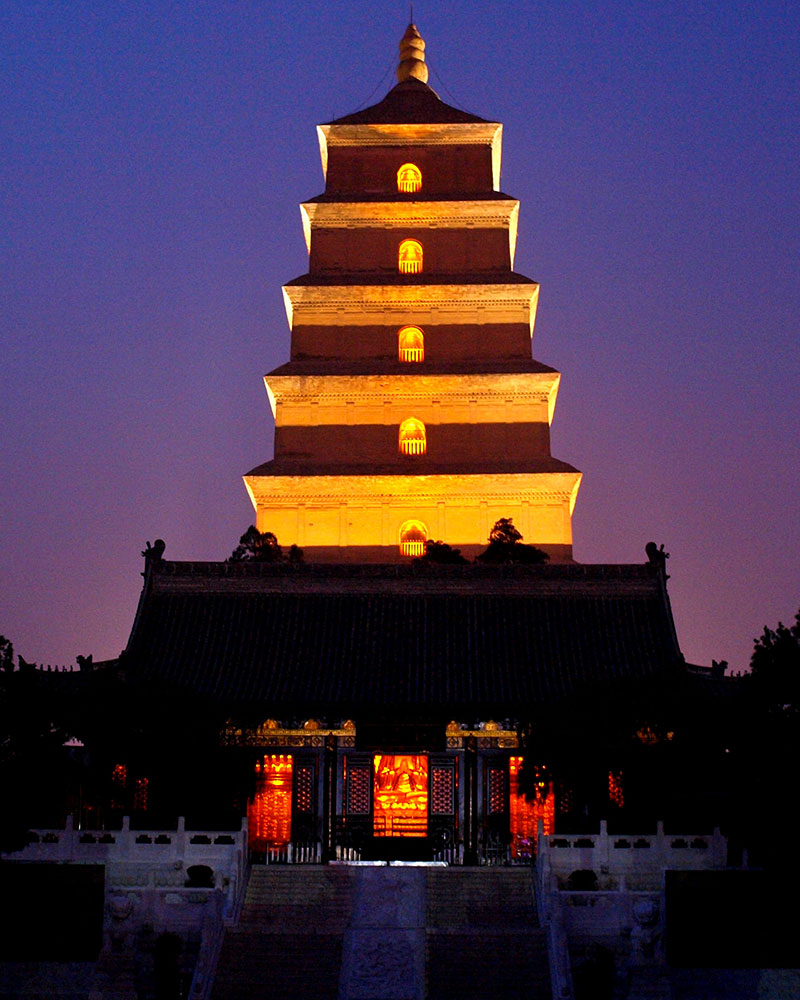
[[483, 935], [288, 943], [385, 933]]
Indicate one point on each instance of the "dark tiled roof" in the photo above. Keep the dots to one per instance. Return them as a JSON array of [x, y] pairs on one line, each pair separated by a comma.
[[398, 197], [393, 366], [398, 639], [423, 466], [350, 278], [409, 103]]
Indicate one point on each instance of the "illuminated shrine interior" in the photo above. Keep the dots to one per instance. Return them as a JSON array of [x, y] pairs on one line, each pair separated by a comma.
[[400, 795], [524, 815], [269, 812]]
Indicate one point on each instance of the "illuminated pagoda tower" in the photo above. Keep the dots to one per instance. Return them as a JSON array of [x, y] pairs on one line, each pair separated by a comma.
[[377, 697], [411, 409]]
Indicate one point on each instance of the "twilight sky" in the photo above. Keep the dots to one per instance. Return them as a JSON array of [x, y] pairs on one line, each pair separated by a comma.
[[152, 158]]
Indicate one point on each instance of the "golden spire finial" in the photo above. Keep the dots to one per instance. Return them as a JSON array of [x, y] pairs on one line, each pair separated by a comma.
[[412, 57]]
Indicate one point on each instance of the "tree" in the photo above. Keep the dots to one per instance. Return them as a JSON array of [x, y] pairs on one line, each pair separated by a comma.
[[775, 666], [257, 546], [506, 546], [6, 654], [504, 532], [32, 734], [764, 746], [441, 552]]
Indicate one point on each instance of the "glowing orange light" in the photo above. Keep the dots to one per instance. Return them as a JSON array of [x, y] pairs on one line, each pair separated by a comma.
[[140, 794], [525, 815], [269, 812], [409, 257], [615, 790], [401, 795], [411, 344], [119, 778], [411, 439], [409, 178], [413, 538]]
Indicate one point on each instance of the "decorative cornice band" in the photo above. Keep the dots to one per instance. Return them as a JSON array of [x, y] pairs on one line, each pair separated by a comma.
[[288, 491], [398, 214], [358, 305], [416, 215], [535, 386]]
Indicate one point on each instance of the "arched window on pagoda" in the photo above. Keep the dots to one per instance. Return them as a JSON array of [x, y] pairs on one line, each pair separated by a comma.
[[409, 178], [409, 257], [413, 538], [411, 439], [411, 344]]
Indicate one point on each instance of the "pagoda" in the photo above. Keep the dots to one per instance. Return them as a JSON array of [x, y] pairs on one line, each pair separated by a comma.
[[411, 409], [376, 699]]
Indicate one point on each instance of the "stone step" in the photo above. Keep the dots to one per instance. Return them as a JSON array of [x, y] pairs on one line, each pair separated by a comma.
[[309, 897], [508, 965], [481, 898], [258, 966]]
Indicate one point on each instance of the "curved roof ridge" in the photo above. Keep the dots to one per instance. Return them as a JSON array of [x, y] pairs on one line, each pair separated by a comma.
[[410, 102]]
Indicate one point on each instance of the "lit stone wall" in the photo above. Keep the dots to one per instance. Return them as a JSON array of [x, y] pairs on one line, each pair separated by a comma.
[[367, 511]]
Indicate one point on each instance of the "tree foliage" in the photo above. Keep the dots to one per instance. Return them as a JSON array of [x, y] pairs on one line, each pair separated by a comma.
[[33, 765], [775, 666], [6, 654], [506, 546], [262, 546], [441, 552]]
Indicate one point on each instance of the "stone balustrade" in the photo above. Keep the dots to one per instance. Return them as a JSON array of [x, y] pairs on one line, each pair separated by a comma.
[[149, 859], [151, 888], [607, 890], [632, 861], [217, 849]]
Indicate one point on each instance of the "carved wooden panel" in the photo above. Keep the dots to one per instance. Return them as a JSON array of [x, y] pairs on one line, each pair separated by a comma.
[[359, 790], [443, 791]]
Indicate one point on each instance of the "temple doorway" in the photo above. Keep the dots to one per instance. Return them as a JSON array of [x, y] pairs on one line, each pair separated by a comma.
[[400, 795]]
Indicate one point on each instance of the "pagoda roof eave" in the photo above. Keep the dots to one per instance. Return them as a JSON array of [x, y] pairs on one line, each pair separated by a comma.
[[416, 281], [493, 472], [401, 198], [481, 371], [335, 301], [411, 102]]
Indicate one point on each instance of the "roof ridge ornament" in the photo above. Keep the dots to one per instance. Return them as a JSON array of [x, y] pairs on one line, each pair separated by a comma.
[[412, 57]]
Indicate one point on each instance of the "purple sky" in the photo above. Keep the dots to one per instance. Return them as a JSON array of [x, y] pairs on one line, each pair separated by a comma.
[[152, 158]]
